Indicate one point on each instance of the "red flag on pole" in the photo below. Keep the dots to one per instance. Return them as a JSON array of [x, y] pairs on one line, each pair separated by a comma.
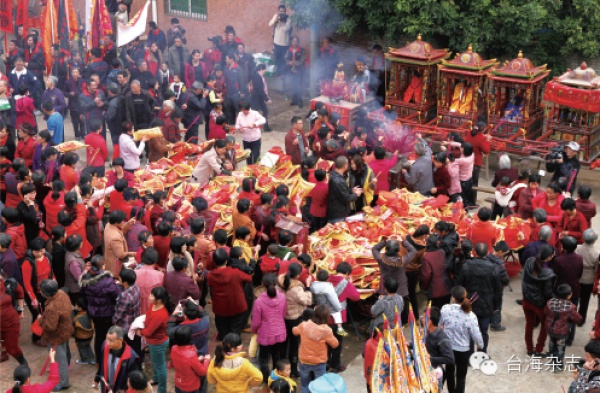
[[23, 15], [6, 16], [49, 33]]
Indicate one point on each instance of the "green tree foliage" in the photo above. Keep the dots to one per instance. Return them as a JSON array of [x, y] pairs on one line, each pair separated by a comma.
[[546, 30]]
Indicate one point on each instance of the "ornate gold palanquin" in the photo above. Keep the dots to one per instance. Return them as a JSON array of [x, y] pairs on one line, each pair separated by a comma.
[[463, 88], [413, 81], [573, 104], [515, 98]]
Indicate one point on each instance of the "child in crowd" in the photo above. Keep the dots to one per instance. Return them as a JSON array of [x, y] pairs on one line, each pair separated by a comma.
[[138, 383], [388, 305], [368, 354], [24, 108], [438, 344], [324, 294], [560, 313], [283, 369], [177, 86], [189, 367], [84, 331], [318, 207], [270, 262]]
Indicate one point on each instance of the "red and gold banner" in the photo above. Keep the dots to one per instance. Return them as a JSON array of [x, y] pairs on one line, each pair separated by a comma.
[[6, 17], [49, 32], [585, 99]]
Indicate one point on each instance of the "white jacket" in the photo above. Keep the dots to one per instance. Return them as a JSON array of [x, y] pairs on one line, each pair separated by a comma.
[[281, 32], [130, 152]]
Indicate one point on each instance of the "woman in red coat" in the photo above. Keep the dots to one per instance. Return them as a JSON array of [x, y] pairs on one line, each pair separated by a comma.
[[195, 69], [573, 222], [10, 322], [550, 202], [26, 144], [68, 173], [22, 378]]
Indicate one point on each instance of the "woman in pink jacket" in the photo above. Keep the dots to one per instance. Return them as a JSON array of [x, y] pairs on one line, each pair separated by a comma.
[[22, 378], [268, 321]]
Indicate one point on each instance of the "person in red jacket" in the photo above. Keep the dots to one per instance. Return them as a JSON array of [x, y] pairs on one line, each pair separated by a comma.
[[584, 205], [573, 223], [369, 354], [54, 202], [162, 243], [381, 168], [26, 144], [22, 378], [15, 229], [318, 206], [68, 172], [10, 323], [24, 108], [270, 262], [155, 333], [483, 230], [96, 150], [481, 146], [189, 367], [296, 142], [341, 281], [119, 173], [229, 303], [441, 176], [77, 224], [156, 211]]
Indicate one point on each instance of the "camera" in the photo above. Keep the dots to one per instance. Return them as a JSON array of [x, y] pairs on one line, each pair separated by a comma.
[[283, 17], [555, 153]]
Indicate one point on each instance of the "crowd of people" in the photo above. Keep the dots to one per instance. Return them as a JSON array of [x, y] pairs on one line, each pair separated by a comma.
[[126, 279]]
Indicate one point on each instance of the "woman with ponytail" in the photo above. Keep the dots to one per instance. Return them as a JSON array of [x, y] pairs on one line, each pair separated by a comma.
[[268, 321], [461, 326], [298, 298], [22, 378], [229, 370], [131, 237], [155, 333], [537, 285]]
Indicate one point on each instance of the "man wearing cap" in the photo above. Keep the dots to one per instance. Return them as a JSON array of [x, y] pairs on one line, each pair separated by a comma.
[[567, 166]]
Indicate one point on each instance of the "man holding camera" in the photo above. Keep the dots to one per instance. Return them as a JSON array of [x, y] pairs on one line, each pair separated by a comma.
[[282, 28], [564, 163]]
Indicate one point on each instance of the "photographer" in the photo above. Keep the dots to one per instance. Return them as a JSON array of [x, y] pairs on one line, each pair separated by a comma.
[[282, 28], [175, 31], [564, 163]]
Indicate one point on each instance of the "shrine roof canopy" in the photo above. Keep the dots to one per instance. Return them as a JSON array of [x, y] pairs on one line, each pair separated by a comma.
[[520, 70], [468, 62], [418, 52]]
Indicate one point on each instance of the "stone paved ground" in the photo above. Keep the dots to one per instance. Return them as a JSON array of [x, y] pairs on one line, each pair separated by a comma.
[[502, 345]]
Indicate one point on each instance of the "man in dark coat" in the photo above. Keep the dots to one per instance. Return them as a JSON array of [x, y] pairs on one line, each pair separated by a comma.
[[59, 67], [115, 112], [97, 66], [118, 360], [138, 106], [233, 94], [340, 195], [91, 103], [73, 89], [193, 102], [480, 278]]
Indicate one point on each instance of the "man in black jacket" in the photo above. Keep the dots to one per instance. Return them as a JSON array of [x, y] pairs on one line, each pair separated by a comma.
[[340, 195], [234, 93], [138, 106], [566, 166], [117, 360], [115, 113], [480, 278], [193, 102]]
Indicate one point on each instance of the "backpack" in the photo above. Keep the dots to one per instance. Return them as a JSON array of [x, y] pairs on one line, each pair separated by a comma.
[[84, 326]]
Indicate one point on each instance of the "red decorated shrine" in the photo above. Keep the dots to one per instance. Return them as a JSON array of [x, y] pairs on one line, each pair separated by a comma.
[[413, 81], [515, 98], [573, 101], [462, 89]]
